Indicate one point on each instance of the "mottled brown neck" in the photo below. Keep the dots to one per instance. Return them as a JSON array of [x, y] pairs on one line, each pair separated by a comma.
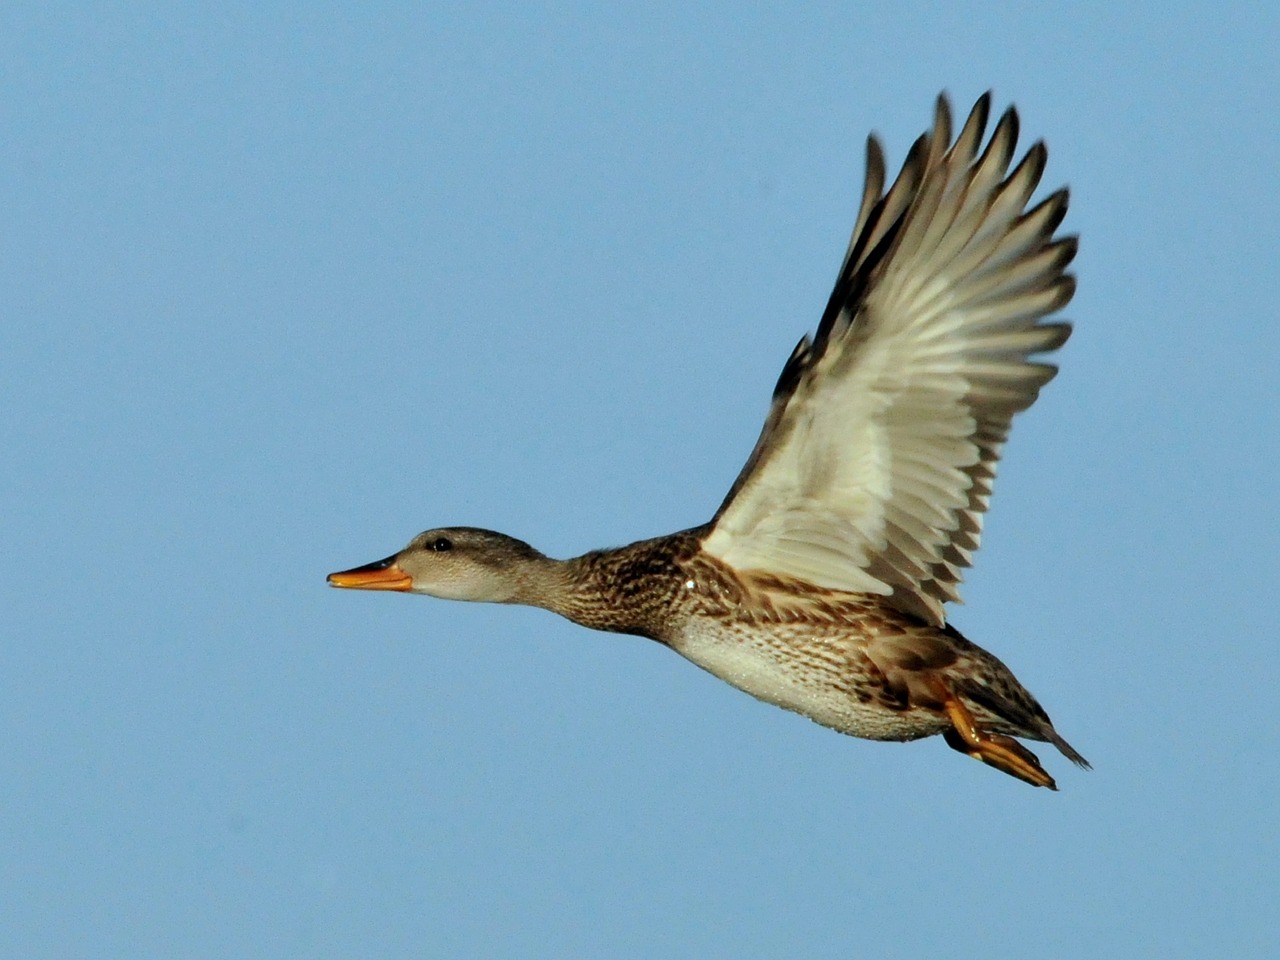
[[633, 589]]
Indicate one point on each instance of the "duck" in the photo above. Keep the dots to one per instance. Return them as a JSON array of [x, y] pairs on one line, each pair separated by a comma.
[[820, 583]]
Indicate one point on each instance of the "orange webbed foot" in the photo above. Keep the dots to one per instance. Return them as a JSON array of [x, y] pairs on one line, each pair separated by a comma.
[[1004, 753]]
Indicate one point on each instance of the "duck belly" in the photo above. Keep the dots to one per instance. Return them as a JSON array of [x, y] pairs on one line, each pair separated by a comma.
[[821, 675]]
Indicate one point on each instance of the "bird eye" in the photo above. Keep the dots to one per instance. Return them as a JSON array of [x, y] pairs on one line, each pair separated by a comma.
[[441, 543]]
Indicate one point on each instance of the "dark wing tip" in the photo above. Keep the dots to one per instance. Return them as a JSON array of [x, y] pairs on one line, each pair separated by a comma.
[[1067, 248], [1058, 334], [1066, 286], [1053, 208], [1035, 161], [940, 138], [793, 369], [1010, 117], [876, 165]]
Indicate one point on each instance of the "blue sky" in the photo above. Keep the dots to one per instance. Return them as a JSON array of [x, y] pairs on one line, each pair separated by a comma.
[[285, 284]]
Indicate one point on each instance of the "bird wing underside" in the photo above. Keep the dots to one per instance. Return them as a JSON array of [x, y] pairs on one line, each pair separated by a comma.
[[878, 456]]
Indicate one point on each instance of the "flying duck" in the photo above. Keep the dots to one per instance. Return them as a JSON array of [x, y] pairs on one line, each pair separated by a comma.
[[819, 585]]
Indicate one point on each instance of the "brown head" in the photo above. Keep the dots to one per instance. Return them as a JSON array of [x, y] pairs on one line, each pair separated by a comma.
[[457, 563]]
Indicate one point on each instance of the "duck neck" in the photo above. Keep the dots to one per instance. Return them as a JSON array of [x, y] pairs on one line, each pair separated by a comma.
[[545, 582], [627, 590], [572, 588]]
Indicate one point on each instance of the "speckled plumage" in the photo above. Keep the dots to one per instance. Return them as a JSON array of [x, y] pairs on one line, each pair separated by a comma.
[[849, 662], [819, 584]]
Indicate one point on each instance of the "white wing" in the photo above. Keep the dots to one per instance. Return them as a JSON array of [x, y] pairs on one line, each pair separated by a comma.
[[877, 459]]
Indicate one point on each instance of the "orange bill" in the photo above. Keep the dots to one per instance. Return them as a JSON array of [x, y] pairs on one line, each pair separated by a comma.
[[382, 575]]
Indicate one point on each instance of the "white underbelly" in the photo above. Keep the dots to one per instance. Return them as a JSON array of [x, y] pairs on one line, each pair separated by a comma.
[[808, 675]]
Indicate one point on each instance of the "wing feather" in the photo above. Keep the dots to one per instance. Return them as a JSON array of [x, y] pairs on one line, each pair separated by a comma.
[[878, 456]]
